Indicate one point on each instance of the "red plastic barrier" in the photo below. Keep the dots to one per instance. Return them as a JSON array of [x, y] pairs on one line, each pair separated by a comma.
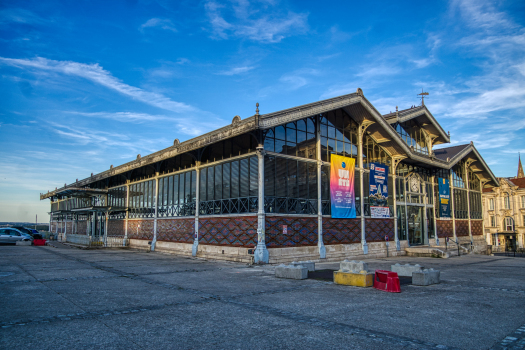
[[387, 281], [39, 242]]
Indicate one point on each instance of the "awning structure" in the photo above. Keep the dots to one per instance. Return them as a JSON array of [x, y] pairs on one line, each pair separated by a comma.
[[74, 192], [98, 209]]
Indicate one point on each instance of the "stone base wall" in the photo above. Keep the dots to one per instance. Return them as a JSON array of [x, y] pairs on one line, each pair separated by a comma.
[[116, 228], [300, 231], [145, 231], [69, 226], [174, 248], [238, 254], [444, 228]]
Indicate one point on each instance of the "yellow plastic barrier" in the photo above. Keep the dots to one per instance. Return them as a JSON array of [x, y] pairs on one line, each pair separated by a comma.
[[361, 279]]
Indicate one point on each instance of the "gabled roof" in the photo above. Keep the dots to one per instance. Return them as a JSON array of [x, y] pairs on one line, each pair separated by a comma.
[[452, 155], [447, 153], [423, 117]]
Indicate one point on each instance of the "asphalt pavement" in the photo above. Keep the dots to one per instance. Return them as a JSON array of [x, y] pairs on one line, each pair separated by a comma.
[[67, 298]]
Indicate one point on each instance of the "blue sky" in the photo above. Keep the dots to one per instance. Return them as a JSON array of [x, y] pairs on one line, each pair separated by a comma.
[[87, 84]]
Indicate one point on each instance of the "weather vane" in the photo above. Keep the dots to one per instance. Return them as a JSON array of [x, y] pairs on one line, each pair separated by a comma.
[[423, 94]]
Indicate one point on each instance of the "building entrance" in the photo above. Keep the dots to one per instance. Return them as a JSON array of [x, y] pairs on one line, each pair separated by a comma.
[[415, 225]]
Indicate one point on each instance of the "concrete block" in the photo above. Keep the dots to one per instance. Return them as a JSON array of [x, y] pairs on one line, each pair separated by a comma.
[[310, 265], [406, 270], [298, 272], [23, 242], [425, 277], [353, 266], [356, 279]]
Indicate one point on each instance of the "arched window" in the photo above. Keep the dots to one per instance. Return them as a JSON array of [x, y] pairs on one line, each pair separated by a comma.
[[507, 201]]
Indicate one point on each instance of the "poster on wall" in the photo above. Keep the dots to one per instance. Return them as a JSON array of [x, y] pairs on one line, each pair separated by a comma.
[[342, 194], [378, 196], [444, 198]]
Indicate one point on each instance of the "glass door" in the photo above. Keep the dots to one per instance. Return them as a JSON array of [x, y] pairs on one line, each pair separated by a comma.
[[415, 225]]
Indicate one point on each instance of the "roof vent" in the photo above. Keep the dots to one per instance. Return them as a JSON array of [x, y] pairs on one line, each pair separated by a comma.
[[176, 142]]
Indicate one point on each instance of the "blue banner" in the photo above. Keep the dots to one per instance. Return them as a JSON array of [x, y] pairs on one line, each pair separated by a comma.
[[444, 198], [378, 196]]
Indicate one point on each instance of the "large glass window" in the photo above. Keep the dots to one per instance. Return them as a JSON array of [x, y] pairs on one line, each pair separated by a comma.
[[460, 204], [142, 199], [413, 135], [458, 175], [338, 135], [475, 205], [230, 187], [236, 146], [294, 139], [290, 186]]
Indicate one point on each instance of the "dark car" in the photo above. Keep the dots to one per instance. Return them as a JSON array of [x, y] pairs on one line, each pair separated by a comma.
[[11, 235], [28, 231]]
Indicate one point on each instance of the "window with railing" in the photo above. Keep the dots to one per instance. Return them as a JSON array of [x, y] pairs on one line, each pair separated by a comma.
[[142, 199], [460, 204], [475, 205], [230, 187], [413, 135], [177, 194], [290, 186]]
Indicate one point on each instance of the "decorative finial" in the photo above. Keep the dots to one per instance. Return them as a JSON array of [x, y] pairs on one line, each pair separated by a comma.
[[449, 133], [257, 108], [396, 109], [236, 120], [176, 142], [138, 156], [423, 94]]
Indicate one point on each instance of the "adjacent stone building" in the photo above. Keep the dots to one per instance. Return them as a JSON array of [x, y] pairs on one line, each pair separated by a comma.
[[504, 213], [261, 186]]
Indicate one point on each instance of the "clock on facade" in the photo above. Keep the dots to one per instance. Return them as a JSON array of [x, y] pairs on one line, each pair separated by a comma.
[[414, 184]]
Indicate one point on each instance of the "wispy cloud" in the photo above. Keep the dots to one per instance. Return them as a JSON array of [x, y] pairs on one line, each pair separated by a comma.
[[96, 74], [260, 22], [299, 78], [22, 16], [236, 70], [162, 23]]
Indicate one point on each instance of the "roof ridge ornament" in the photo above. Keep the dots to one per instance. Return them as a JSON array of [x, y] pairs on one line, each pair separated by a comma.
[[236, 120], [257, 108], [423, 94], [360, 92], [176, 142]]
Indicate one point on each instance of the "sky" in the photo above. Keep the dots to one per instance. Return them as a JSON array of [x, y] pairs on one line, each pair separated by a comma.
[[89, 84]]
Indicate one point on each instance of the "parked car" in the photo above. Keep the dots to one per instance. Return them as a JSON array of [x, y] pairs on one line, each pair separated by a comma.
[[11, 235], [28, 231]]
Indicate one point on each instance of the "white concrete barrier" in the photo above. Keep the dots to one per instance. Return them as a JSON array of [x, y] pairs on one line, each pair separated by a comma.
[[310, 265], [353, 266], [426, 277], [406, 270], [298, 272]]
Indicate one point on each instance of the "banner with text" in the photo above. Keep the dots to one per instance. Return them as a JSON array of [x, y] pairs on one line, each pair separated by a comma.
[[342, 194], [444, 198], [378, 195]]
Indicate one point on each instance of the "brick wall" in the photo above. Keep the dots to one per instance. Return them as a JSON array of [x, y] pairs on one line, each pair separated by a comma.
[[301, 231], [176, 230], [233, 231], [145, 231], [462, 228], [377, 229], [444, 228], [341, 231], [116, 228]]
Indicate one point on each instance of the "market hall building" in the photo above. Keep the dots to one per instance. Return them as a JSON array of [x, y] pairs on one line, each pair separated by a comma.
[[262, 186]]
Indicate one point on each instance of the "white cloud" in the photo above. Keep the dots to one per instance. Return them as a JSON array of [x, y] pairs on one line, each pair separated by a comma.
[[253, 22], [163, 23], [236, 70], [96, 74]]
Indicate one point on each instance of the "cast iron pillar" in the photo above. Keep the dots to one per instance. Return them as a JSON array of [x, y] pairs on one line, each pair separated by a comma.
[[195, 247], [261, 255]]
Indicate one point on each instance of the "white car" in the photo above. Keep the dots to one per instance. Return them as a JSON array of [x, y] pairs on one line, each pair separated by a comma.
[[11, 235]]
